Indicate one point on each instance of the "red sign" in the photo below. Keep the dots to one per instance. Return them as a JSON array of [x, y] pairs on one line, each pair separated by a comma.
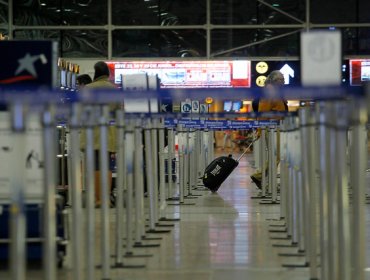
[[359, 71], [188, 74]]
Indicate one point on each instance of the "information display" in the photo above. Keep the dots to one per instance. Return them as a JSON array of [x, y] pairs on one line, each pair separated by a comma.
[[188, 74], [359, 71], [290, 70]]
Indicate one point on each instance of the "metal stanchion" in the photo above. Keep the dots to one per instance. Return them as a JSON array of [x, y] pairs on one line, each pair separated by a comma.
[[130, 154], [211, 147], [273, 169], [132, 164], [150, 185], [17, 222], [308, 162], [192, 165], [272, 185], [283, 166], [90, 193], [170, 144], [162, 176], [333, 253], [154, 162], [323, 151], [49, 244], [185, 173], [182, 167], [120, 125], [103, 162], [358, 166], [341, 120], [62, 143], [75, 187], [138, 181], [263, 163]]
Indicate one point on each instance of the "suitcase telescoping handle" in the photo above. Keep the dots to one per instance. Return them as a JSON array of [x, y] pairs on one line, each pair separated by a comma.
[[246, 149]]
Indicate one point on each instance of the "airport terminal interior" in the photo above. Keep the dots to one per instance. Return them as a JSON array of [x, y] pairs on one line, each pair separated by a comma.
[[177, 139]]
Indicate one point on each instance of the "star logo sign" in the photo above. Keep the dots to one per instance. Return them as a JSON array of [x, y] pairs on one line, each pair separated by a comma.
[[164, 107], [27, 63]]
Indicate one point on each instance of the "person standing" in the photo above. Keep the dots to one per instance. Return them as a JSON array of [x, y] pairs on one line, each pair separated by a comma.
[[274, 79], [100, 82]]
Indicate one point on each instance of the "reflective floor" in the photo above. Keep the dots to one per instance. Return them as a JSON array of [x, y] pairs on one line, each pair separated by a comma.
[[223, 236]]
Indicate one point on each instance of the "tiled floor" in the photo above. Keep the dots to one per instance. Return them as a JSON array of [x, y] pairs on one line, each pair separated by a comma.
[[223, 236]]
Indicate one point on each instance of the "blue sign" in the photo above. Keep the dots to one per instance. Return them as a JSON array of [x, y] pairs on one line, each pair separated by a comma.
[[219, 124], [28, 64]]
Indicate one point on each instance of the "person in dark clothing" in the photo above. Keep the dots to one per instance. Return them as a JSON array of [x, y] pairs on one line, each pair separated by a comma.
[[83, 80]]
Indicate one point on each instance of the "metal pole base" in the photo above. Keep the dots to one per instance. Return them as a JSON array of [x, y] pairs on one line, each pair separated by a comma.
[[172, 198], [191, 196], [164, 225], [169, 219], [150, 238], [291, 254], [292, 265], [283, 225], [269, 202], [141, 245], [121, 265], [180, 204], [280, 238], [132, 255], [277, 230], [292, 245], [155, 231]]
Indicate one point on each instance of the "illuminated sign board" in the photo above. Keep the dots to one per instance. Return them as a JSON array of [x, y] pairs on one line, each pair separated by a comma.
[[188, 74], [290, 69], [359, 71]]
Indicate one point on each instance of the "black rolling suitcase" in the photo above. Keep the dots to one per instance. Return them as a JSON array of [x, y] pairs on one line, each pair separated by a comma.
[[217, 172], [219, 169]]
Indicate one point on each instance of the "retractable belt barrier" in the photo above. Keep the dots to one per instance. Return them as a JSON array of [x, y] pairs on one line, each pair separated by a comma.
[[313, 178], [322, 192]]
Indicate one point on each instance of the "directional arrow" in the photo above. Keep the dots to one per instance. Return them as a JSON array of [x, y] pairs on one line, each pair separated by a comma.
[[288, 72]]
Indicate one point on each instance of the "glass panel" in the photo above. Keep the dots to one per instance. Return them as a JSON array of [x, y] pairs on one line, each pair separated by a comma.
[[224, 39], [60, 12], [356, 41], [340, 11], [75, 43], [253, 12], [3, 18], [159, 12], [159, 43], [363, 9]]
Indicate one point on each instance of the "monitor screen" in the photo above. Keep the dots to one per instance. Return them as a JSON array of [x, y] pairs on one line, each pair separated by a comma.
[[359, 71], [237, 105], [188, 74], [228, 106]]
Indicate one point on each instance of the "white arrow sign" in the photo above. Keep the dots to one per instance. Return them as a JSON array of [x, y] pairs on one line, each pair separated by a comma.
[[288, 72]]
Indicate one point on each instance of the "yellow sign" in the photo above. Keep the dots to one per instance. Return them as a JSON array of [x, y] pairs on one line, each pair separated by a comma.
[[260, 81], [262, 67], [209, 100]]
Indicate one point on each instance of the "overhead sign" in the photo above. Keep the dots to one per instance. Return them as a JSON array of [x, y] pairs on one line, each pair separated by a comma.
[[219, 124], [186, 106], [288, 73], [188, 74], [321, 58], [290, 70], [28, 64], [195, 106], [359, 71]]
